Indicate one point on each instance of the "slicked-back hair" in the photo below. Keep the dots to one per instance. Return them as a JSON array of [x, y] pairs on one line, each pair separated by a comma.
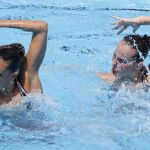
[[140, 43], [13, 53]]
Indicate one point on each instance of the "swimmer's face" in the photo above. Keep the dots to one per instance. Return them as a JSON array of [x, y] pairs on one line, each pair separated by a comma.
[[124, 64], [6, 76]]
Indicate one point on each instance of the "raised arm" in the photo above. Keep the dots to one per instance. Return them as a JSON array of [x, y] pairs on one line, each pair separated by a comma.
[[38, 43], [124, 23], [36, 50]]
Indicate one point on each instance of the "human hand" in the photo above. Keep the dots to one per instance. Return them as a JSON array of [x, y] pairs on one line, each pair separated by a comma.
[[124, 23]]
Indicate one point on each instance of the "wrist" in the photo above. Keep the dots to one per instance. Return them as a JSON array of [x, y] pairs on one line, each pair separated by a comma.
[[143, 20], [137, 21]]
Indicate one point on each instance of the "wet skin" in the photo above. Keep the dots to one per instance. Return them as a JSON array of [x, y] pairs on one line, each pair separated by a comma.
[[124, 65], [6, 78], [30, 64]]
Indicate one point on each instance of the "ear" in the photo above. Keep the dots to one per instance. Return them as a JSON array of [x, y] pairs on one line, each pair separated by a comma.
[[139, 66]]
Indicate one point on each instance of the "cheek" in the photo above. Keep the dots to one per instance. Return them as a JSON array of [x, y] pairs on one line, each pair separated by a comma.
[[129, 70], [123, 69], [113, 60]]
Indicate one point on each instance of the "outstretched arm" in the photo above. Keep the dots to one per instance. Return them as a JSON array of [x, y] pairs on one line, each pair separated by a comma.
[[36, 50], [124, 23]]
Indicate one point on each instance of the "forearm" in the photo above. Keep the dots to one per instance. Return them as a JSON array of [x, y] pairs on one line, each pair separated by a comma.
[[27, 25], [143, 20]]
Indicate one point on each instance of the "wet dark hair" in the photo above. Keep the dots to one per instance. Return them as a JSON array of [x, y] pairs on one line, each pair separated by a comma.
[[142, 46], [13, 53], [140, 43]]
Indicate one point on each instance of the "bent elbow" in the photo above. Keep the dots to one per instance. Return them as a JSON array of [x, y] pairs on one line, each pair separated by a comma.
[[44, 26]]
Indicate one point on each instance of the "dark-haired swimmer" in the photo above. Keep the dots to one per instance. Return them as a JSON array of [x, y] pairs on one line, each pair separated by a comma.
[[127, 62], [19, 72]]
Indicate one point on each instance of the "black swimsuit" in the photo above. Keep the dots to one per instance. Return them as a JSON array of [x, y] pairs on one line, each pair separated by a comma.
[[21, 90]]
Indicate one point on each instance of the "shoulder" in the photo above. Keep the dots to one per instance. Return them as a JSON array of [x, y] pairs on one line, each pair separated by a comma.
[[108, 77]]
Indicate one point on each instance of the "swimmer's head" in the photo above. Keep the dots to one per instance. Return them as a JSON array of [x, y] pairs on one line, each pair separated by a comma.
[[13, 54], [127, 62], [140, 43], [10, 62]]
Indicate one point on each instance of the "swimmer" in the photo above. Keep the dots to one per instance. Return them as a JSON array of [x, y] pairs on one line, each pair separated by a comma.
[[19, 71], [127, 61]]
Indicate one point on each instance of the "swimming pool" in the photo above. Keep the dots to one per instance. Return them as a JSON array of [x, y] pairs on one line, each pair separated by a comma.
[[77, 111]]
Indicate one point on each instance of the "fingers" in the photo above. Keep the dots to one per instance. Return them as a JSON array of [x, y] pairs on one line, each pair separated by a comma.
[[114, 23], [123, 23], [123, 28], [117, 27], [135, 28], [118, 23], [118, 18]]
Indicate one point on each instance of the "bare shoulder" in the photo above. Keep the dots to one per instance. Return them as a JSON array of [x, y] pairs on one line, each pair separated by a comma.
[[108, 77]]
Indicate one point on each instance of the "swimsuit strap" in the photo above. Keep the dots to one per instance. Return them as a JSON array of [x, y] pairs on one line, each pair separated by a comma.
[[21, 90]]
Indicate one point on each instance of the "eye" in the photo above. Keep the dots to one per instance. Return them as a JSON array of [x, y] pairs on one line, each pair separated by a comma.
[[124, 61], [120, 60]]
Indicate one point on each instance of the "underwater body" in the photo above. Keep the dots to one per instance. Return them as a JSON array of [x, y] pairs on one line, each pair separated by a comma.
[[77, 109]]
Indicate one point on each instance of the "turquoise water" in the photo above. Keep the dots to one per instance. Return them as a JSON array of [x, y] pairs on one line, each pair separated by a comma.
[[77, 111]]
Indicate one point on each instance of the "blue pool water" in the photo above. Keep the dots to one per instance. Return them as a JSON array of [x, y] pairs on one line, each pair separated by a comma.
[[77, 111]]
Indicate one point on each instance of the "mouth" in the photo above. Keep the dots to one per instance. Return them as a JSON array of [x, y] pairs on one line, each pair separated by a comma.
[[120, 67], [114, 70]]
